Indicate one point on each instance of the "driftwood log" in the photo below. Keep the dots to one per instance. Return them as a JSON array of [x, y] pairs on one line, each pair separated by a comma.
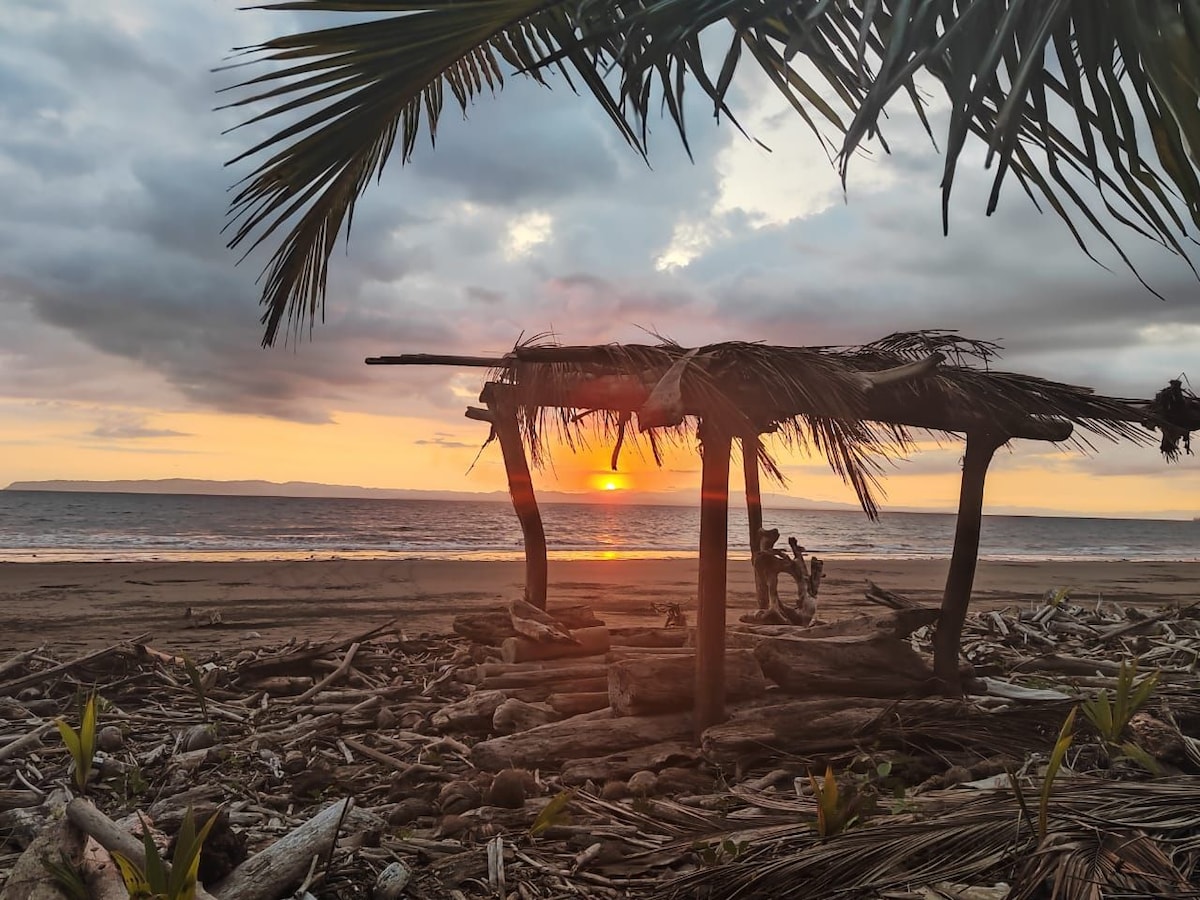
[[799, 727], [589, 641], [624, 763], [576, 702], [29, 879], [494, 626], [515, 715], [652, 684], [534, 677], [898, 623], [270, 872], [875, 665], [590, 734], [473, 712]]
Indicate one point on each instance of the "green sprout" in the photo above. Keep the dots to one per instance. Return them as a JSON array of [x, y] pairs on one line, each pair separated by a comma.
[[1066, 735], [155, 882], [837, 809], [81, 744], [1110, 717]]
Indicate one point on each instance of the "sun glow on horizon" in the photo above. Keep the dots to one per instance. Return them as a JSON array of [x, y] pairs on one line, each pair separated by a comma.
[[609, 482]]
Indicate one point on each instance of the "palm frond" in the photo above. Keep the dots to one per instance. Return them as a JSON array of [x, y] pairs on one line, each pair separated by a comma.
[[1019, 76], [354, 91], [980, 839]]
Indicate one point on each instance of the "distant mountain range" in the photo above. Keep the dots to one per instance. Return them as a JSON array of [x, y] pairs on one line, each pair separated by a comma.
[[313, 489]]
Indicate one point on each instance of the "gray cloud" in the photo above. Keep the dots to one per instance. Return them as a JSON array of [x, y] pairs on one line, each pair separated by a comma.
[[115, 281], [128, 429], [443, 441]]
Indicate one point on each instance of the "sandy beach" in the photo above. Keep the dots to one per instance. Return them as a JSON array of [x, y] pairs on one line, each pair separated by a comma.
[[82, 606]]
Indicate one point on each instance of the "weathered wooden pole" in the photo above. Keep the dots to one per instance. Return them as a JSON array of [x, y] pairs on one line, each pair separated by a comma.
[[503, 416], [959, 580], [750, 448], [715, 445]]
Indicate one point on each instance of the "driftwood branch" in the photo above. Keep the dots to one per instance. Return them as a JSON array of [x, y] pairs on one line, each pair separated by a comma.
[[769, 564], [11, 687], [900, 374], [269, 873]]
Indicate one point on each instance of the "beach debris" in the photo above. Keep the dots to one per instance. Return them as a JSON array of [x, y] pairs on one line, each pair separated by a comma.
[[409, 726], [538, 625], [769, 563], [203, 618], [652, 684], [676, 618]]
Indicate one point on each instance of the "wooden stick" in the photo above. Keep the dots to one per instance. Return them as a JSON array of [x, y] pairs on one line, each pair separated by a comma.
[[332, 676], [520, 488], [751, 445], [269, 873], [710, 624], [20, 659], [26, 742], [897, 374], [11, 687], [82, 813], [377, 755], [947, 640]]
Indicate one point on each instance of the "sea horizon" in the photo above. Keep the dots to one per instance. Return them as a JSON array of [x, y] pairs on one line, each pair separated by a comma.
[[114, 526]]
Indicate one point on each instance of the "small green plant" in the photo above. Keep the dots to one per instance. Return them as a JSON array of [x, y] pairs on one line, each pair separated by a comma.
[[837, 808], [67, 877], [553, 813], [81, 744], [1110, 717], [197, 681], [1066, 734], [153, 882]]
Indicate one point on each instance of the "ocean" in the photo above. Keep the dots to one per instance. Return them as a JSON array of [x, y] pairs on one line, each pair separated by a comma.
[[52, 526]]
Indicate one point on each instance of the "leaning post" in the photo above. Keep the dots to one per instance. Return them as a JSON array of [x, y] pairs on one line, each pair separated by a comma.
[[947, 640], [715, 446], [503, 416], [751, 444]]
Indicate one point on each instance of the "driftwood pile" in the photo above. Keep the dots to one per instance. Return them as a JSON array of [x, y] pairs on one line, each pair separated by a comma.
[[547, 755]]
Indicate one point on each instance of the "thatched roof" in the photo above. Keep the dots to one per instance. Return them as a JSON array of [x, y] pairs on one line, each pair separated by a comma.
[[810, 397]]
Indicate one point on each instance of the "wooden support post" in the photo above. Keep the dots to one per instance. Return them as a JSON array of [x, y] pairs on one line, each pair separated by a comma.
[[957, 596], [750, 447], [715, 445], [520, 487]]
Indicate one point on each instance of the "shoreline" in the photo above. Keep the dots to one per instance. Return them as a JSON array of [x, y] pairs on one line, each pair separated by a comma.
[[72, 556], [85, 605]]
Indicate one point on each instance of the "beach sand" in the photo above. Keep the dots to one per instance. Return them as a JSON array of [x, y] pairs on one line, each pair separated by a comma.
[[81, 606]]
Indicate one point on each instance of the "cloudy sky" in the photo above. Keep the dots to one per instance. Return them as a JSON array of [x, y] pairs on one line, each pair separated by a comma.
[[130, 339]]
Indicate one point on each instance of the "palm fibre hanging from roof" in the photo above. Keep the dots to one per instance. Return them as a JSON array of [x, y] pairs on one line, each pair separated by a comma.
[[833, 400]]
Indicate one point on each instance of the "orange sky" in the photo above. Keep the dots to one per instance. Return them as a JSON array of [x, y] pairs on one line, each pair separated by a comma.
[[60, 440]]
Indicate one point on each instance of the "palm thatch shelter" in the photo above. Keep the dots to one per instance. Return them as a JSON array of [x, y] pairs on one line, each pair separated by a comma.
[[856, 405]]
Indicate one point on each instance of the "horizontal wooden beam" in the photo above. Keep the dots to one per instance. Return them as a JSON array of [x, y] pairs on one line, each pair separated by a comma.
[[434, 359]]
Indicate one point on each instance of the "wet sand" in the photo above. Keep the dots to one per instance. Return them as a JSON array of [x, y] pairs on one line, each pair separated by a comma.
[[82, 606]]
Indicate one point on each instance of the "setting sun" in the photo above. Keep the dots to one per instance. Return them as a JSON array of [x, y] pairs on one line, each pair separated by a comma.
[[609, 482]]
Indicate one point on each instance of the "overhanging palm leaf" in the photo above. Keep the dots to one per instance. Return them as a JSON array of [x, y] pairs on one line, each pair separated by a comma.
[[1064, 92]]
